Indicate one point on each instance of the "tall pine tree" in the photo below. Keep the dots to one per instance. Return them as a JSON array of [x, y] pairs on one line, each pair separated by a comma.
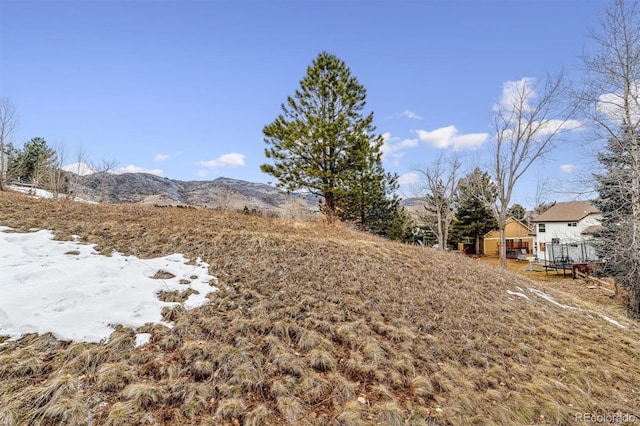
[[323, 143]]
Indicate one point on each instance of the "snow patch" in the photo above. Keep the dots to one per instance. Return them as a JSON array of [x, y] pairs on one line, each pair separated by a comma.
[[612, 321], [69, 289], [515, 293], [549, 298], [42, 193], [142, 339]]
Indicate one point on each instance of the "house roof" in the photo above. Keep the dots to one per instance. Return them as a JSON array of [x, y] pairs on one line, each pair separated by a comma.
[[572, 211], [592, 230], [511, 219]]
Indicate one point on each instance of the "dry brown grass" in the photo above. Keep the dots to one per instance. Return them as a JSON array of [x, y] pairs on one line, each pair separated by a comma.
[[319, 325]]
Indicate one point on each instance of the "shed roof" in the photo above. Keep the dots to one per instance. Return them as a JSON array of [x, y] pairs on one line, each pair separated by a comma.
[[571, 211]]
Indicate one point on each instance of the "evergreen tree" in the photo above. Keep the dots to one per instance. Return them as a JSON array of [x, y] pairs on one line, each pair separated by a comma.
[[474, 219], [322, 143], [400, 226], [369, 202], [615, 185], [612, 91], [33, 160], [517, 211]]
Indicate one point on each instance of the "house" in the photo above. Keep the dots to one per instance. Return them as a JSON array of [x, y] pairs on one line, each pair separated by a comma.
[[518, 238], [564, 231]]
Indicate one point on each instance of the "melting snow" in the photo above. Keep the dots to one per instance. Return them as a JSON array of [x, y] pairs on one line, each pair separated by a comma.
[[549, 298], [69, 289], [142, 339], [515, 293], [612, 321], [42, 193]]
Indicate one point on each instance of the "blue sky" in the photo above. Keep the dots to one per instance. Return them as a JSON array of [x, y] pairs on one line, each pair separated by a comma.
[[183, 89]]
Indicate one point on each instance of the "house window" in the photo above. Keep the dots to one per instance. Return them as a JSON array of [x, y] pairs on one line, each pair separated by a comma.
[[543, 247], [541, 227], [572, 224]]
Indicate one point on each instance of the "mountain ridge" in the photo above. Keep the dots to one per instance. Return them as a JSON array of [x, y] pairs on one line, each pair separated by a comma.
[[222, 192]]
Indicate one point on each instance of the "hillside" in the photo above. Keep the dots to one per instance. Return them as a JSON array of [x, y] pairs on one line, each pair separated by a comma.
[[224, 193], [319, 325]]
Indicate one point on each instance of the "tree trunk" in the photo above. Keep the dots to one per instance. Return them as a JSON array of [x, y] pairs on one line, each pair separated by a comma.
[[329, 205], [634, 304], [2, 166], [477, 248], [503, 244]]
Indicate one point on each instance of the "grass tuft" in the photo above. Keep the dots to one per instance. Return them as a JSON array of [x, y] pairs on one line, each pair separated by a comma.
[[144, 394], [321, 360], [390, 413], [114, 377], [259, 415], [123, 414], [290, 408], [229, 409]]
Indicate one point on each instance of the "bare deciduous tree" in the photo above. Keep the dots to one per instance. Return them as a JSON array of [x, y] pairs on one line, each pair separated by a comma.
[[612, 94], [56, 178], [438, 190], [527, 120], [103, 169], [8, 124], [78, 169]]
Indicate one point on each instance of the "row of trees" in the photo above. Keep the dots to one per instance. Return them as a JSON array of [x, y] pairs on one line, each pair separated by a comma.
[[323, 143], [34, 163], [457, 209], [39, 164]]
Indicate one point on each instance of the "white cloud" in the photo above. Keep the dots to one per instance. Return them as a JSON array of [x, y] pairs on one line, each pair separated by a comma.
[[392, 147], [81, 169], [408, 178], [226, 160], [411, 115], [162, 157], [612, 105], [469, 141], [408, 143], [567, 168], [446, 137], [438, 138], [202, 173], [516, 95], [137, 169], [406, 114], [550, 127]]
